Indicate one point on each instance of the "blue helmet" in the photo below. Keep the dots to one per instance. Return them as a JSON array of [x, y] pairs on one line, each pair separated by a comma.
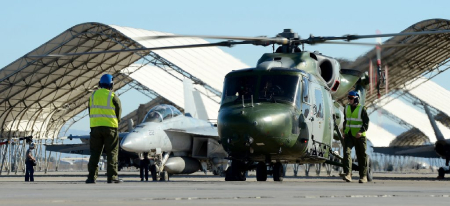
[[353, 93], [106, 81]]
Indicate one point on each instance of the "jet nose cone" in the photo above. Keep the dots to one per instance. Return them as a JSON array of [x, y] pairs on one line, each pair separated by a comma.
[[133, 142]]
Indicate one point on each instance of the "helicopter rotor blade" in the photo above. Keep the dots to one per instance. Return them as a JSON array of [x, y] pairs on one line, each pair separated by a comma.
[[257, 40], [366, 44], [223, 43], [320, 39]]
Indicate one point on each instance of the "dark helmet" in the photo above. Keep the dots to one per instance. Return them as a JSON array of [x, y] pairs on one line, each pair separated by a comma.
[[32, 145], [106, 81]]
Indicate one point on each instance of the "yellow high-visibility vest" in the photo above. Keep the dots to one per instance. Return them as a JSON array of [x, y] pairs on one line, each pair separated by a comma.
[[354, 120], [102, 109]]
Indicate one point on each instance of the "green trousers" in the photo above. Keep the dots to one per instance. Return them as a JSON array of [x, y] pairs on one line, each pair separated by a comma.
[[106, 138], [360, 149]]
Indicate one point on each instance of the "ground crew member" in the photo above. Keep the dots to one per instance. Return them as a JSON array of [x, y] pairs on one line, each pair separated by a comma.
[[356, 123], [104, 112], [144, 166], [29, 162]]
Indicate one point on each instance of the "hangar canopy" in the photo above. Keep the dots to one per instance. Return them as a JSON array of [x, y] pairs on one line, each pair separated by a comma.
[[39, 95], [425, 55]]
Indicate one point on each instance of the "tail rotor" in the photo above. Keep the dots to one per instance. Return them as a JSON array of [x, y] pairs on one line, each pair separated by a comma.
[[380, 76]]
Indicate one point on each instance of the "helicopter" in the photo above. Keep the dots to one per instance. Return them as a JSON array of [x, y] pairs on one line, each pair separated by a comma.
[[284, 110]]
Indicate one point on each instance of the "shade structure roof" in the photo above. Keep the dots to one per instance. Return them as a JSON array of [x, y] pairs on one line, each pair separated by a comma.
[[431, 93], [412, 137], [38, 95], [425, 55]]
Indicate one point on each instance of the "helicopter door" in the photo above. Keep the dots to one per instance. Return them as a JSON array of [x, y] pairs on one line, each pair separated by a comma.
[[306, 106], [318, 114]]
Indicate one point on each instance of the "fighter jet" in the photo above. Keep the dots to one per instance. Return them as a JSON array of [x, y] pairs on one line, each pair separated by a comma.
[[178, 144], [441, 149]]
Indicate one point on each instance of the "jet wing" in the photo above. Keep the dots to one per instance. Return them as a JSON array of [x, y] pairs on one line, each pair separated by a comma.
[[81, 149], [426, 151], [85, 138], [202, 132], [121, 135], [71, 137]]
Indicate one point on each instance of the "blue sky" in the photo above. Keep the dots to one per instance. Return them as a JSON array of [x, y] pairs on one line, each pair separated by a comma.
[[26, 25]]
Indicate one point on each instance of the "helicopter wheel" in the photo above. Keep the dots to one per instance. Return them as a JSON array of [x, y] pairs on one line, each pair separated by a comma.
[[278, 172], [261, 172], [235, 172]]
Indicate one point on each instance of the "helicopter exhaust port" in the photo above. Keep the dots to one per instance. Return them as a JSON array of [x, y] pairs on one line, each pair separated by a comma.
[[328, 68]]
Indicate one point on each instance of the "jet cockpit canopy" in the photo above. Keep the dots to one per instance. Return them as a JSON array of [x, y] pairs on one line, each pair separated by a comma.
[[161, 113]]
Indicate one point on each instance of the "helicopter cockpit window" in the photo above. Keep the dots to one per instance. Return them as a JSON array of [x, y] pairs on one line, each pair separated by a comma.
[[238, 87], [305, 89], [298, 96], [278, 87]]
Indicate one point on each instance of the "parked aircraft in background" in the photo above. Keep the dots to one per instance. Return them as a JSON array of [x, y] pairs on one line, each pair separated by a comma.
[[178, 144], [441, 149]]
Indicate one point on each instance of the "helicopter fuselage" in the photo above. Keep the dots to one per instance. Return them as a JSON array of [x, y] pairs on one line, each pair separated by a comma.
[[280, 111]]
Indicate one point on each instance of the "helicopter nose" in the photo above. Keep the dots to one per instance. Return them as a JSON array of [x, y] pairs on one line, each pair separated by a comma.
[[133, 142]]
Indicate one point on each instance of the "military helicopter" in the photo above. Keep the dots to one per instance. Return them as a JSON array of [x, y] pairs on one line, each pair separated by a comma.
[[284, 109]]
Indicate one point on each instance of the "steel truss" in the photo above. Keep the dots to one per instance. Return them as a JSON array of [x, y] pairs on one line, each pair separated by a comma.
[[426, 55], [41, 95]]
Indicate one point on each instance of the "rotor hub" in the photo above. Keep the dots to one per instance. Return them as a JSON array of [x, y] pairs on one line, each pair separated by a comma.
[[289, 34]]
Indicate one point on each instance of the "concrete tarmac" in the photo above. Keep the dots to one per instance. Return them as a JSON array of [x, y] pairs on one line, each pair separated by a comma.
[[68, 188]]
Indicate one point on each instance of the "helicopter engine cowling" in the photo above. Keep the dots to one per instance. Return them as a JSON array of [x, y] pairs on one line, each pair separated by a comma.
[[328, 68]]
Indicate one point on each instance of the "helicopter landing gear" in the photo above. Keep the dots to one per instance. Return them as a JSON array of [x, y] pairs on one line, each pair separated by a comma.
[[318, 168], [329, 169], [307, 167], [261, 172], [236, 171], [278, 172], [296, 167]]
